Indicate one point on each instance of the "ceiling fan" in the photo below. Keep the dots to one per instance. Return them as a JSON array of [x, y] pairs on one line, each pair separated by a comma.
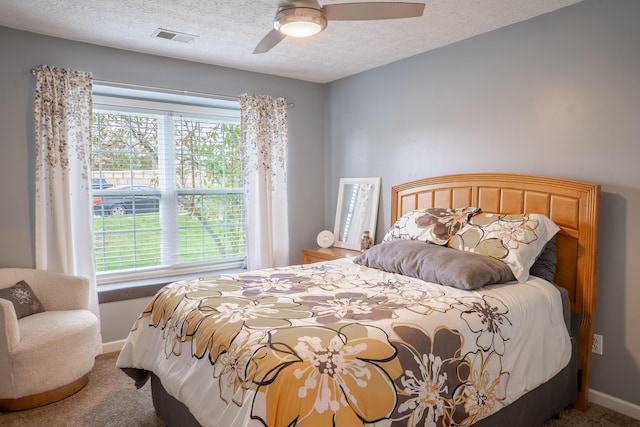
[[304, 18]]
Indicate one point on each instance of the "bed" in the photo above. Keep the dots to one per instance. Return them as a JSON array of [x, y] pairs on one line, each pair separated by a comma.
[[369, 342]]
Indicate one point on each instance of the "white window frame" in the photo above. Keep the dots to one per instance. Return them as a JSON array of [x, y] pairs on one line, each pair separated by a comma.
[[118, 100]]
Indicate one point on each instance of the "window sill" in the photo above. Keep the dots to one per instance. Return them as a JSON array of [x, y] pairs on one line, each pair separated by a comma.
[[146, 288]]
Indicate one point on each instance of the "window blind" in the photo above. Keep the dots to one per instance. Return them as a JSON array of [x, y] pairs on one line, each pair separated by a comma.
[[167, 188]]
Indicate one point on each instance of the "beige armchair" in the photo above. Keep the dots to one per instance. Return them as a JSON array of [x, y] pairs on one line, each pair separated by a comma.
[[47, 356]]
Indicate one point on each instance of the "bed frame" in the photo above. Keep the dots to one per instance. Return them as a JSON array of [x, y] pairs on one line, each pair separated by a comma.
[[573, 205]]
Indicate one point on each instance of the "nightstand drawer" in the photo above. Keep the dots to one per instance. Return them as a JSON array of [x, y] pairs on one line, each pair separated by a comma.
[[311, 255]]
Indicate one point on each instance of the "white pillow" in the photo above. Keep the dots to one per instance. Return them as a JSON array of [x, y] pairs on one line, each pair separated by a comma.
[[435, 225], [515, 239]]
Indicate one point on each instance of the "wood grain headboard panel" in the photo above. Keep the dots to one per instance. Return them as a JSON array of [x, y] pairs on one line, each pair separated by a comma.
[[573, 205]]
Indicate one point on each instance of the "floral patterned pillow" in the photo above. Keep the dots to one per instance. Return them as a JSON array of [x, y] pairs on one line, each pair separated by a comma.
[[435, 225], [24, 300], [516, 239]]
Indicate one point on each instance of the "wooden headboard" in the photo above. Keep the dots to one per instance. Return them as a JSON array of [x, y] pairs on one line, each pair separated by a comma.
[[573, 205]]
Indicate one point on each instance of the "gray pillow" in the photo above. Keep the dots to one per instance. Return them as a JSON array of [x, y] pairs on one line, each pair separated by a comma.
[[436, 264], [25, 302], [547, 262]]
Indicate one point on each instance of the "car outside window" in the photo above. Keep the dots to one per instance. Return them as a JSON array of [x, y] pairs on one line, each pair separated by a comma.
[[100, 183]]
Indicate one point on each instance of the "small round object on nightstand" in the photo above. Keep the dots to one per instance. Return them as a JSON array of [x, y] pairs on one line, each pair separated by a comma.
[[325, 239]]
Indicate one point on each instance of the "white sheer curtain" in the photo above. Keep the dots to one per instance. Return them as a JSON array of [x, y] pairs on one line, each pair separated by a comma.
[[264, 162], [63, 111]]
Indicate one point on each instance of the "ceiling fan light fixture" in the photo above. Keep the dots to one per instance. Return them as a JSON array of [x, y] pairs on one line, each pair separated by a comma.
[[300, 21]]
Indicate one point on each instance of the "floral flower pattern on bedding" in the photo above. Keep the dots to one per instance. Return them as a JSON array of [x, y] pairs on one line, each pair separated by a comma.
[[435, 225], [515, 239], [364, 349]]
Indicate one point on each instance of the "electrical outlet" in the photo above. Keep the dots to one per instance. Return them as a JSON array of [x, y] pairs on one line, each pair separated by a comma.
[[597, 344]]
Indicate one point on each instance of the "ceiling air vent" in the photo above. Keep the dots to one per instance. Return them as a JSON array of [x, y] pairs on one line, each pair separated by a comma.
[[174, 35]]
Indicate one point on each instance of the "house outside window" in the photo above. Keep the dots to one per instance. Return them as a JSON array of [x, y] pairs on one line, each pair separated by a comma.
[[166, 187]]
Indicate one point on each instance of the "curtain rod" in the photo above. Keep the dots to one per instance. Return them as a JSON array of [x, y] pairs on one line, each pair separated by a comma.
[[163, 89]]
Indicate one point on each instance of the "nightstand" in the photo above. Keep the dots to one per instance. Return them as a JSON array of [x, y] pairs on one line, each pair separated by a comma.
[[310, 255]]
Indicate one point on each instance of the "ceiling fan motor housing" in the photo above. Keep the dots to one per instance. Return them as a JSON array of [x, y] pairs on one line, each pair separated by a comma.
[[300, 21]]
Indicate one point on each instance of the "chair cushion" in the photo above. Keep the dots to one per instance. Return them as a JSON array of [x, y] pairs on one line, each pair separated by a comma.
[[56, 348], [24, 300]]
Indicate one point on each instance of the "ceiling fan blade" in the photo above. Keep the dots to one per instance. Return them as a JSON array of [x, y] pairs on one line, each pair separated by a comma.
[[272, 38], [372, 11]]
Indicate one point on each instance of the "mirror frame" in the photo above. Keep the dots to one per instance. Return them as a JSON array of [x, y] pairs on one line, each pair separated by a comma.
[[373, 213]]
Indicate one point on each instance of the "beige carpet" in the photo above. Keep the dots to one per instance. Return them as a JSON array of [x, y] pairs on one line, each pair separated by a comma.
[[111, 400]]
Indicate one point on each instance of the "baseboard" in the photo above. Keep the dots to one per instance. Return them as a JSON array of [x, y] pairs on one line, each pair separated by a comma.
[[109, 347], [615, 404]]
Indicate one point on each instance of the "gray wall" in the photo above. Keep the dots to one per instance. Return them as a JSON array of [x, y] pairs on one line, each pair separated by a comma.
[[556, 95], [21, 51]]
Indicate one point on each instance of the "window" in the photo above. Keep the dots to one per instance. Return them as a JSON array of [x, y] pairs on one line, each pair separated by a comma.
[[166, 188]]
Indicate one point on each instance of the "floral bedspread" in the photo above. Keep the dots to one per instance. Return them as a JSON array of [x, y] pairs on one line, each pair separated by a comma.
[[341, 344]]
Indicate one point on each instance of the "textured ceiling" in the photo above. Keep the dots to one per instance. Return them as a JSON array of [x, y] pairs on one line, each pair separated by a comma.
[[228, 31]]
